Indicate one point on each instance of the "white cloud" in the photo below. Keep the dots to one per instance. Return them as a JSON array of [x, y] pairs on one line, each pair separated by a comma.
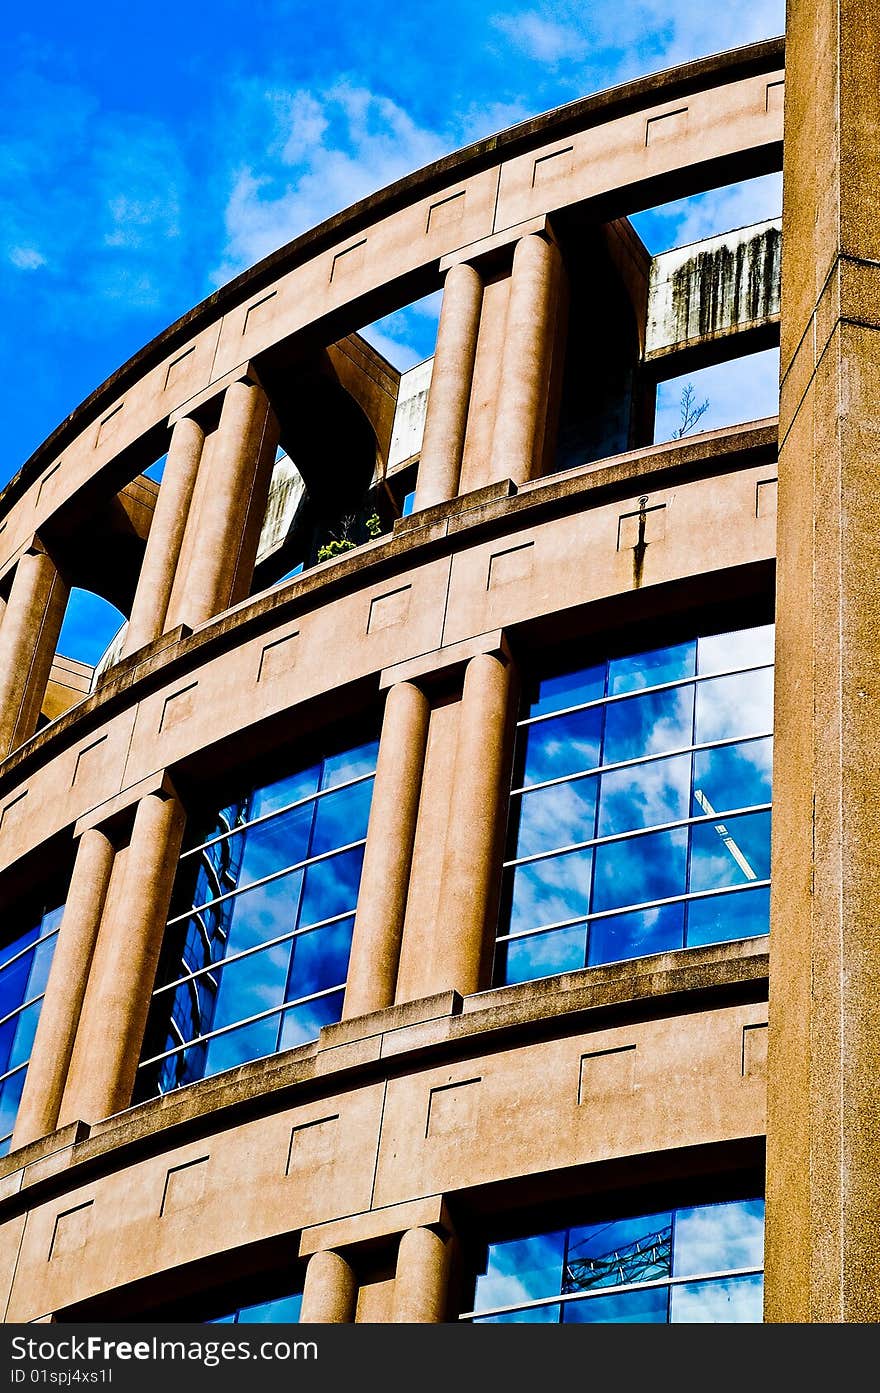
[[26, 258], [542, 39]]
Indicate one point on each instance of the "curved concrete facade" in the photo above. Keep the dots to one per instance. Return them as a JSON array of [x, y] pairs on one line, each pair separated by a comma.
[[365, 1167]]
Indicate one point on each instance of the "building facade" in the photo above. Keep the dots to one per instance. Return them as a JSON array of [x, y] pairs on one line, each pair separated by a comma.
[[385, 918]]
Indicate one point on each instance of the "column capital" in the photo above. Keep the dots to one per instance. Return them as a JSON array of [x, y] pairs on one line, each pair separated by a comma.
[[212, 395]]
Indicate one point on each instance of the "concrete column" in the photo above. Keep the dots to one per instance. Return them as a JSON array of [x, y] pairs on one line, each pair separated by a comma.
[[28, 639], [472, 841], [451, 378], [421, 1279], [65, 990], [330, 1291], [231, 508], [526, 369], [378, 925], [823, 1128], [117, 1000], [166, 535]]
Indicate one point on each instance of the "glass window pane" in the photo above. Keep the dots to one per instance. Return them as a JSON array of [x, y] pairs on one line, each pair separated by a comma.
[[734, 776], [41, 962], [265, 912], [629, 1308], [341, 818], [719, 1237], [720, 918], [728, 707], [635, 935], [550, 891], [542, 955], [16, 946], [251, 985], [238, 1046], [651, 669], [742, 648], [557, 816], [566, 745], [614, 1254], [350, 764], [648, 725], [272, 845], [284, 1310], [644, 795], [7, 1036], [13, 983], [303, 1023], [320, 959], [281, 792], [733, 852], [331, 887], [734, 1300], [521, 1269], [182, 1068], [25, 1030], [569, 689], [641, 869], [532, 1315], [10, 1097]]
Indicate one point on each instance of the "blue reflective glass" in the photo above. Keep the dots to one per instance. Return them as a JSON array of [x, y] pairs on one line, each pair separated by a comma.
[[331, 887], [251, 985], [733, 852], [720, 918], [303, 1023], [265, 912], [647, 725], [281, 792], [350, 764], [731, 707], [628, 1308], [651, 669], [739, 649], [532, 1315], [238, 1046], [641, 869], [320, 959], [734, 776], [644, 795], [730, 1300], [13, 983], [570, 689], [718, 1237], [550, 891], [284, 1310], [17, 945], [636, 935], [282, 841], [616, 1253], [25, 1030], [7, 1037], [543, 955], [564, 745], [341, 818], [560, 815], [41, 961], [521, 1269], [10, 1097]]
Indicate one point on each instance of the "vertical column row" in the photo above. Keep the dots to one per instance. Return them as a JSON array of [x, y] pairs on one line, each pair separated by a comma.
[[28, 638], [421, 1282]]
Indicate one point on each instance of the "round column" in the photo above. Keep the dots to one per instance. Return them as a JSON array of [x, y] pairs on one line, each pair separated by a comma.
[[378, 925], [166, 535], [451, 379], [65, 989], [28, 638], [330, 1291], [421, 1279], [521, 415], [117, 1001], [469, 868], [240, 469]]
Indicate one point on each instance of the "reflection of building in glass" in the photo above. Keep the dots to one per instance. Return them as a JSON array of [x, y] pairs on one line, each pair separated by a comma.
[[385, 916]]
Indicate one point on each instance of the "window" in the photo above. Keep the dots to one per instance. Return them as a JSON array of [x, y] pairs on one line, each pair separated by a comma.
[[284, 1310], [24, 971], [640, 814], [257, 946], [684, 1265]]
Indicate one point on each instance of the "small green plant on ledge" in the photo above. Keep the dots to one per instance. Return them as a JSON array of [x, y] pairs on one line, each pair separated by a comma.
[[334, 548], [374, 525]]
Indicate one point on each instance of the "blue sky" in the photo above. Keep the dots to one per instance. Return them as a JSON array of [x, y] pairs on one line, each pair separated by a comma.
[[150, 152]]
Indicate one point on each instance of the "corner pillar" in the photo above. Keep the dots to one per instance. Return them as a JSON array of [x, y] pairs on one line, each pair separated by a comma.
[[330, 1291], [28, 639], [421, 1279]]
